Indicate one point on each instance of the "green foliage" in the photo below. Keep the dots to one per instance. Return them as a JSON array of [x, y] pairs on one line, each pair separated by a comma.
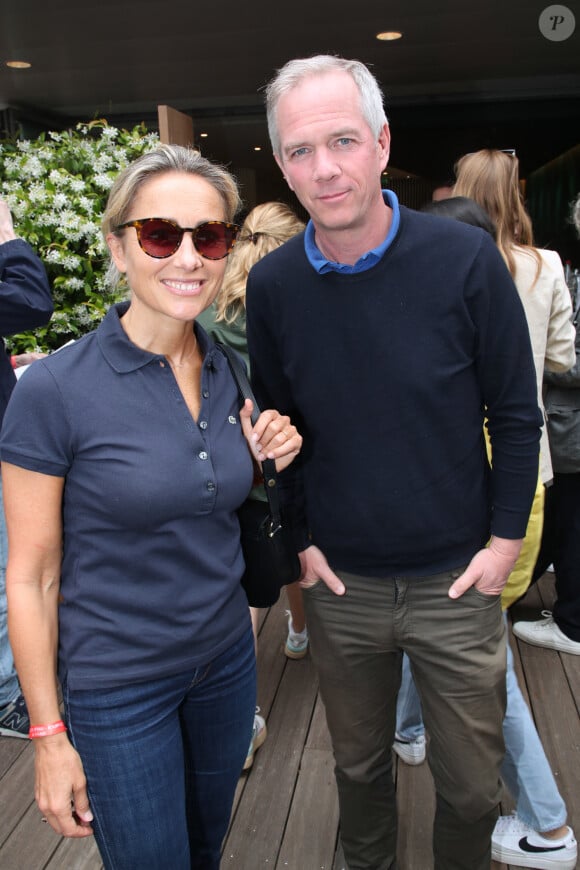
[[56, 187]]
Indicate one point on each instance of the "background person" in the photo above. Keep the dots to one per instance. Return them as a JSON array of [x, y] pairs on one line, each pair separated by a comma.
[[266, 227], [25, 303], [491, 178], [125, 556], [537, 834], [375, 327], [560, 630], [443, 190]]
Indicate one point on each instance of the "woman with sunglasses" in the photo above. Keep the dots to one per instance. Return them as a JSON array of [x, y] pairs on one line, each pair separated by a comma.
[[125, 457]]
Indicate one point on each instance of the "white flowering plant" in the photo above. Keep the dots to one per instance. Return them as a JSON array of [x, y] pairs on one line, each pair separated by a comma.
[[56, 187]]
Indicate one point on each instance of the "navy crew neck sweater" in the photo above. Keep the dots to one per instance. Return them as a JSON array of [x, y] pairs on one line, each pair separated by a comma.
[[389, 375]]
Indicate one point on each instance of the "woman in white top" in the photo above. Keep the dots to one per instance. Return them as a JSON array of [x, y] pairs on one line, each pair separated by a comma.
[[491, 178]]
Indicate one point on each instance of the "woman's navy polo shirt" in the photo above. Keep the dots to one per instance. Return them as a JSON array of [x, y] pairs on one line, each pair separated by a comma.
[[150, 580]]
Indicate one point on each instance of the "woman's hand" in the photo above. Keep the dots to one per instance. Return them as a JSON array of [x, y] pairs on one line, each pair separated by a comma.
[[273, 436], [61, 787], [25, 359]]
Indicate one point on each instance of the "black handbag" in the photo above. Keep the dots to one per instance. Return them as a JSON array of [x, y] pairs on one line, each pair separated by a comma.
[[267, 544]]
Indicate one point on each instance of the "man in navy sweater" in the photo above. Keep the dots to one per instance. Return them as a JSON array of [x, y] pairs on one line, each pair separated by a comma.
[[391, 336], [25, 303]]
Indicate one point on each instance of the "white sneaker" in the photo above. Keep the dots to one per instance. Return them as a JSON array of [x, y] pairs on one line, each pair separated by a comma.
[[410, 751], [514, 842], [296, 645], [545, 632], [259, 733]]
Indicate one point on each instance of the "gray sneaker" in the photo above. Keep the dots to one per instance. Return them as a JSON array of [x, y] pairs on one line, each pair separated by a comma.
[[296, 645], [545, 632], [410, 751], [14, 721]]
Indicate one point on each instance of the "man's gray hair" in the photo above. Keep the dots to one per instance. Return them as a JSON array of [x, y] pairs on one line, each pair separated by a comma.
[[295, 71]]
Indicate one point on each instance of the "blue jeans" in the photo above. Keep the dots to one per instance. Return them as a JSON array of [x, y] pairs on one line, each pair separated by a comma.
[[163, 758], [409, 715], [525, 769], [9, 686]]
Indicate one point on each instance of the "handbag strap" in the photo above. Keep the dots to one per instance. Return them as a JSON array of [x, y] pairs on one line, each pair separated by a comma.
[[268, 465]]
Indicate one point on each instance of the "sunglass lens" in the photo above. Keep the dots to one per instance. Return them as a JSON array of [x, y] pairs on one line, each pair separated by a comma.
[[160, 238], [215, 240]]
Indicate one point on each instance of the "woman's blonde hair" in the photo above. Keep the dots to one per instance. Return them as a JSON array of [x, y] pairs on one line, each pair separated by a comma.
[[163, 159], [266, 227], [491, 178]]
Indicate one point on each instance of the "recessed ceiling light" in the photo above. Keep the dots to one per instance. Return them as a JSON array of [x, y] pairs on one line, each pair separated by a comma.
[[204, 135], [257, 147], [389, 35], [18, 64]]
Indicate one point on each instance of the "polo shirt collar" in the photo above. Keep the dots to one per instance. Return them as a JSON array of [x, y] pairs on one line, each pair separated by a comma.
[[123, 356]]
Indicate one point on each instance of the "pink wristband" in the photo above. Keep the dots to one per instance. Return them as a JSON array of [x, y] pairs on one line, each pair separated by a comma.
[[46, 730]]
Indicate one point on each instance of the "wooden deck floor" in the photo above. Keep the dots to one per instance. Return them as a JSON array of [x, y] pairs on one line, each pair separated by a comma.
[[285, 815]]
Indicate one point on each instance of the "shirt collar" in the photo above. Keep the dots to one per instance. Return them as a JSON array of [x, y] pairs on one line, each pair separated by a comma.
[[123, 356], [368, 260]]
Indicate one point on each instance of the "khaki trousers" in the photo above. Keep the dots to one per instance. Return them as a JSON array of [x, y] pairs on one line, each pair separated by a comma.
[[458, 658]]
